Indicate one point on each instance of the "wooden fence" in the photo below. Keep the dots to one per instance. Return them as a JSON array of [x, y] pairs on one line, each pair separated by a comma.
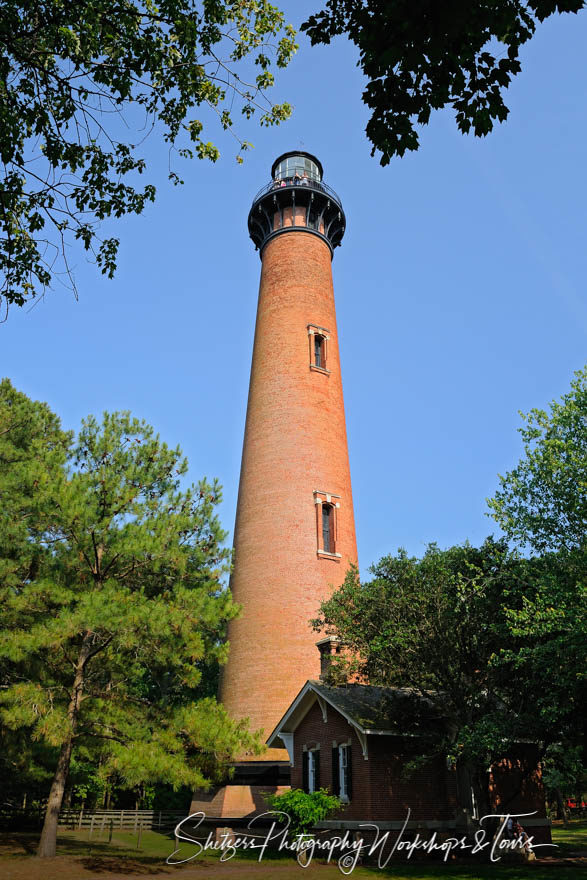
[[101, 821]]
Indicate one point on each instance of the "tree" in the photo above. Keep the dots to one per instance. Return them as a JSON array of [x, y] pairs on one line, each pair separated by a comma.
[[422, 55], [451, 626], [106, 631], [33, 450], [80, 84], [542, 503]]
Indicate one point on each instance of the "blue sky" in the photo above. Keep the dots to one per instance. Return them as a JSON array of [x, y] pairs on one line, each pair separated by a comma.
[[459, 287]]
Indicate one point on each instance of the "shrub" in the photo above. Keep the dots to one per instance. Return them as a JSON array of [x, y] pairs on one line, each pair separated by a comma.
[[304, 809]]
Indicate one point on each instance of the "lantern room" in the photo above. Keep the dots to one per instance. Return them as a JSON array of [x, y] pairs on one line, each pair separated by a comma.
[[297, 199]]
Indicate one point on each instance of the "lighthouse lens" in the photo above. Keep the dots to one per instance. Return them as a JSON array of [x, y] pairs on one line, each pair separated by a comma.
[[297, 166]]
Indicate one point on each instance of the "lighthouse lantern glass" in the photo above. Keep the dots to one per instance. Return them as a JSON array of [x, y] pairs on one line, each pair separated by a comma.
[[301, 165]]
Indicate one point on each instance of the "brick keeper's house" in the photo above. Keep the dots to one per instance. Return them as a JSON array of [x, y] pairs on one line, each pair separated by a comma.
[[356, 740]]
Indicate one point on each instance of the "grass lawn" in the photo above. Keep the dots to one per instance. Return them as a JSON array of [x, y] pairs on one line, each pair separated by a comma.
[[572, 838], [80, 858]]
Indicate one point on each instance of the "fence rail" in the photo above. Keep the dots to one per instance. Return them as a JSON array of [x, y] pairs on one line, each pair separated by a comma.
[[127, 820]]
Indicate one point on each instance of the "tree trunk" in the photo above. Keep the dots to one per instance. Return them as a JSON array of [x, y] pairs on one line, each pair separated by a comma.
[[48, 842], [560, 803], [480, 784]]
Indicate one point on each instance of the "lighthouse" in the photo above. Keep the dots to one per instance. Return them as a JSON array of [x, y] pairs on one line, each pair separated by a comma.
[[294, 533]]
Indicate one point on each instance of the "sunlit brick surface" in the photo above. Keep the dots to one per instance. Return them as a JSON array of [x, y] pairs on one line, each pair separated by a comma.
[[295, 443]]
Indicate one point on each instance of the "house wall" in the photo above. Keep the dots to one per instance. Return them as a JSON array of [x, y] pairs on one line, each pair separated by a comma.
[[378, 789]]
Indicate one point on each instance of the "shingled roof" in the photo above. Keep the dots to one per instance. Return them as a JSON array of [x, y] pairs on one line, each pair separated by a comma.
[[369, 709], [380, 709]]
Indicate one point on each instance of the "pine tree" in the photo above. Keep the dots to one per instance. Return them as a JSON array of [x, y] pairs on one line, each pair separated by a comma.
[[112, 601]]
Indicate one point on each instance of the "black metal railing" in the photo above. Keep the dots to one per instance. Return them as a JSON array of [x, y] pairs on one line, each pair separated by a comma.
[[303, 183]]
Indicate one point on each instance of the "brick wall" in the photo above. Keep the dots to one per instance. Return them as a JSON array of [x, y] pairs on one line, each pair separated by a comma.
[[379, 790], [295, 443]]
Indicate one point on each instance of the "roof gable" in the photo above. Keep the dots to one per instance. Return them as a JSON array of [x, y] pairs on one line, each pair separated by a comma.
[[368, 708]]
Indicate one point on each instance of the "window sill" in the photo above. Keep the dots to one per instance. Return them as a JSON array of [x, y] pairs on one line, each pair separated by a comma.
[[323, 554], [320, 369]]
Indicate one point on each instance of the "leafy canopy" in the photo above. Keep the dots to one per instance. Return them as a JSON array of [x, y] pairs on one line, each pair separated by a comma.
[[423, 55], [83, 81], [543, 501], [112, 607]]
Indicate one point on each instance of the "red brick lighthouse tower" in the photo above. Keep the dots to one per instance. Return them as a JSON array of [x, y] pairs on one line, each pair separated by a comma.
[[294, 532]]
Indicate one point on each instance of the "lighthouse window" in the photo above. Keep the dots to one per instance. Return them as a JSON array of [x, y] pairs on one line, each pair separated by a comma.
[[327, 524], [319, 360], [318, 337], [327, 528]]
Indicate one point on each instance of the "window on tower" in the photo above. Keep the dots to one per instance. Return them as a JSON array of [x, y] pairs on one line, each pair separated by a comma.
[[318, 350], [327, 524], [327, 528], [318, 337]]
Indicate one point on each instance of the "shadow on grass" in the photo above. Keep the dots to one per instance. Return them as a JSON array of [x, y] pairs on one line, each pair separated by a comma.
[[18, 844], [124, 864], [73, 846]]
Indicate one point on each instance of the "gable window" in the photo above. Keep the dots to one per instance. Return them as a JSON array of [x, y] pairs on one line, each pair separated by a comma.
[[342, 772], [311, 770], [318, 337]]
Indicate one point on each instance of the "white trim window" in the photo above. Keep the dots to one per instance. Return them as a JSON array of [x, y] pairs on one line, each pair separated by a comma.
[[311, 771], [343, 772]]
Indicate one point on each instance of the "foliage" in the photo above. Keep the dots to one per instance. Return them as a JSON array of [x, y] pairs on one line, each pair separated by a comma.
[[468, 630], [304, 809], [563, 768], [422, 55], [112, 604], [549, 625], [82, 82], [543, 501]]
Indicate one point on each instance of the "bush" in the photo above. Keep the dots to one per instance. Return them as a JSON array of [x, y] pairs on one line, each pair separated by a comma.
[[304, 809]]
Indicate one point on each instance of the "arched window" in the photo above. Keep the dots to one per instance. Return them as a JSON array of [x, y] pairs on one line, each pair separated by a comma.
[[328, 528], [319, 359]]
